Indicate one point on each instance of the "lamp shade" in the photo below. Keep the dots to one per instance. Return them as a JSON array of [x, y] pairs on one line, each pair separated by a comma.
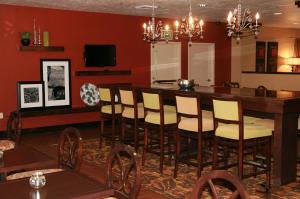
[[294, 61]]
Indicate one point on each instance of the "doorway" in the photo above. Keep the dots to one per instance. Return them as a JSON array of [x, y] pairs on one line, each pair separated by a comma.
[[201, 63], [165, 61]]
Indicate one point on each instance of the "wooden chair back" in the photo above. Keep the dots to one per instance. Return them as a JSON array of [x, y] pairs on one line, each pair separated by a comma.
[[13, 127], [70, 149], [236, 185], [153, 102], [128, 96], [229, 111], [188, 106], [107, 96], [123, 172]]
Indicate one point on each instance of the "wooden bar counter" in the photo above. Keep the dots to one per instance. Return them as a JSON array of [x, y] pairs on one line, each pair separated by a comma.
[[282, 106]]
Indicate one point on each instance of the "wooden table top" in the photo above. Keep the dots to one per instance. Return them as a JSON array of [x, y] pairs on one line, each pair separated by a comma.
[[59, 185], [25, 158]]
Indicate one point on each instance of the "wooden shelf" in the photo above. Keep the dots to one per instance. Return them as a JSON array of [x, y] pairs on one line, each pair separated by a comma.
[[276, 73], [103, 73], [60, 111], [42, 48]]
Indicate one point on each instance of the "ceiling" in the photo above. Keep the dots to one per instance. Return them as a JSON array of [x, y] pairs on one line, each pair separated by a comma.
[[215, 10]]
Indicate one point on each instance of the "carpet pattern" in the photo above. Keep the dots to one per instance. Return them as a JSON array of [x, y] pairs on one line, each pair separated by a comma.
[[178, 188]]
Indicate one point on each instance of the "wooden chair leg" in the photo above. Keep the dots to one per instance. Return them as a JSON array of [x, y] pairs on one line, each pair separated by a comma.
[[177, 152], [123, 131], [162, 148], [145, 145], [113, 129], [254, 159], [268, 155], [199, 155], [240, 158], [215, 153], [101, 133], [136, 135]]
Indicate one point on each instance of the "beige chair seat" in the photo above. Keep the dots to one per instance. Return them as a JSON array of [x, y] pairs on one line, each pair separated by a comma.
[[7, 145], [191, 124], [108, 109], [27, 174], [129, 112], [268, 123], [231, 131], [170, 116]]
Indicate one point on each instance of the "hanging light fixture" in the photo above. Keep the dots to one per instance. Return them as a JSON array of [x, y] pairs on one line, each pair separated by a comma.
[[189, 26], [241, 24], [153, 30]]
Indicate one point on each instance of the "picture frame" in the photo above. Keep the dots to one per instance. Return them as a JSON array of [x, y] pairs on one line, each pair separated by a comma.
[[30, 95], [56, 75]]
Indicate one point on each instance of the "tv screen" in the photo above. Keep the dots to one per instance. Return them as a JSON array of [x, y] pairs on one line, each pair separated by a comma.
[[100, 55]]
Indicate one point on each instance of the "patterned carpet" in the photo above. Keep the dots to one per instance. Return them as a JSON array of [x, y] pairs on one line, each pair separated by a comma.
[[177, 188]]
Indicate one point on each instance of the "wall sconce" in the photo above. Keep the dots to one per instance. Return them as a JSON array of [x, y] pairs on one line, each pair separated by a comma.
[[294, 62]]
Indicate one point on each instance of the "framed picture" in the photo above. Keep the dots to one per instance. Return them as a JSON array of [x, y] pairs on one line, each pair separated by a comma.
[[260, 56], [57, 82], [272, 56], [30, 95]]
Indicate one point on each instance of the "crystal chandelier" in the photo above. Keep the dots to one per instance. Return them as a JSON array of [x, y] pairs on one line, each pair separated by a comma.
[[241, 24], [152, 31], [189, 26]]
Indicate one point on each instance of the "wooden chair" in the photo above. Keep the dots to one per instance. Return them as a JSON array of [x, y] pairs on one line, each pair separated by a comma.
[[239, 189], [193, 124], [232, 131], [123, 172], [132, 115], [69, 154], [13, 132], [160, 123], [109, 110]]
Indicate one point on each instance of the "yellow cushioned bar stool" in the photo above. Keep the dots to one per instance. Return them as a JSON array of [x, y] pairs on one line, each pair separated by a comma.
[[109, 110], [160, 123], [193, 127], [132, 115], [231, 131]]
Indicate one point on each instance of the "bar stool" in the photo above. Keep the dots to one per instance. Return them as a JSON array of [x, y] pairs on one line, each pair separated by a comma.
[[109, 110], [132, 115], [232, 131], [193, 124], [157, 116]]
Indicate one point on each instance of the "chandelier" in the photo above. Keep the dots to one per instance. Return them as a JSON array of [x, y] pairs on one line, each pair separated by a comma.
[[189, 26], [152, 31], [241, 24]]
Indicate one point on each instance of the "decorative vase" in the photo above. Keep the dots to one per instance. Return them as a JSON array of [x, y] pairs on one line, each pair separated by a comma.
[[25, 42], [37, 180]]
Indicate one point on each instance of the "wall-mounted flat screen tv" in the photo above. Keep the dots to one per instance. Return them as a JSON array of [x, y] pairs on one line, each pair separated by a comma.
[[99, 55]]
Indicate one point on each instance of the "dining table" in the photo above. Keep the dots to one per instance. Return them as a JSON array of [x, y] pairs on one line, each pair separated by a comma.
[[25, 158], [59, 185], [281, 106]]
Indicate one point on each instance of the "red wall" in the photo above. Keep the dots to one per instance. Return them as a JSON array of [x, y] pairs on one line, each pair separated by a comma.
[[73, 29]]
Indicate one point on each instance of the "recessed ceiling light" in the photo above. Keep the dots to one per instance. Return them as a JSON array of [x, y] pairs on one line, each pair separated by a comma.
[[202, 5], [295, 23], [145, 7], [277, 13]]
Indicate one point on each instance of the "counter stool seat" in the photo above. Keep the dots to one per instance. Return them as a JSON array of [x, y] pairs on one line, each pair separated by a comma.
[[108, 109], [129, 112]]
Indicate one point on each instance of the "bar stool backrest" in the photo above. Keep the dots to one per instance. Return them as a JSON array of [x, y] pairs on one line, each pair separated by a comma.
[[152, 100], [105, 94], [187, 104], [126, 96], [228, 111]]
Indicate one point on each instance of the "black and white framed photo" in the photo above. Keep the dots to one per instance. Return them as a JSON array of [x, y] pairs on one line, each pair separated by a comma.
[[30, 95], [56, 74]]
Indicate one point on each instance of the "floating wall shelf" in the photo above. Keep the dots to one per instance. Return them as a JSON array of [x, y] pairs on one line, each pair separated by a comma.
[[42, 48], [103, 73]]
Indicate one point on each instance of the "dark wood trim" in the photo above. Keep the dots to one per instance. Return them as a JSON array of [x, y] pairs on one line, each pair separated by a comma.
[[42, 48], [103, 73], [60, 111], [276, 73]]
